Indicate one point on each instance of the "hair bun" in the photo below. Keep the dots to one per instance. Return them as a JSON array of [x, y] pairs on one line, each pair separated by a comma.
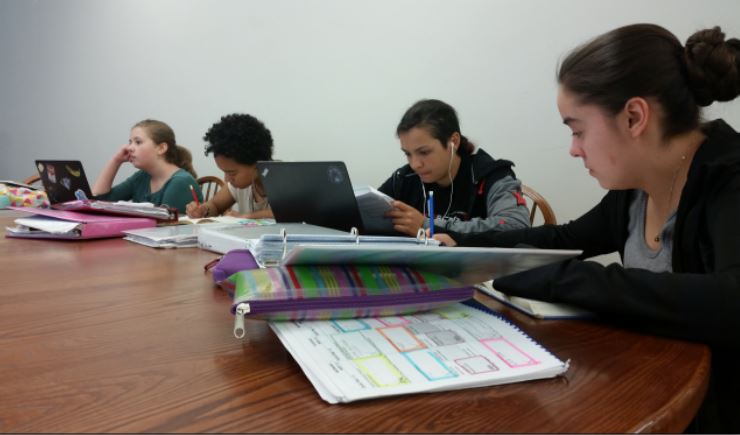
[[712, 66]]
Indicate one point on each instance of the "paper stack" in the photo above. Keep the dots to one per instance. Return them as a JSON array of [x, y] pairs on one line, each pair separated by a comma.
[[171, 236]]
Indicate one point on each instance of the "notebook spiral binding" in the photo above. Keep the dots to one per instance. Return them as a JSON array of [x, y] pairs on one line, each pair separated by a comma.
[[421, 235], [479, 306]]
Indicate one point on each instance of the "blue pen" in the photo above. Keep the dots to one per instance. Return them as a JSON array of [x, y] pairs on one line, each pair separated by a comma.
[[430, 206]]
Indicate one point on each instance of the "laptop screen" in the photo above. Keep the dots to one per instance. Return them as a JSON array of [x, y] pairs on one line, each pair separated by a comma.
[[317, 193], [62, 178]]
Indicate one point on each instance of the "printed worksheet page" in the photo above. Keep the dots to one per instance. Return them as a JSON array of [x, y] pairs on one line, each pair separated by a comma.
[[449, 348]]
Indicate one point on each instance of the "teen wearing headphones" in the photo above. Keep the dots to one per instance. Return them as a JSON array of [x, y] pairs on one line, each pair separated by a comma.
[[632, 99], [473, 192], [165, 174], [238, 141]]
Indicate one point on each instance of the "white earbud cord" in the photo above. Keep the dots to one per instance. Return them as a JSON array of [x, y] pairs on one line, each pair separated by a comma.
[[452, 185], [424, 193]]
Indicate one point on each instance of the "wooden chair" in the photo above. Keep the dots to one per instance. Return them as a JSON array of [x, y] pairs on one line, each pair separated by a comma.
[[209, 185], [32, 179], [538, 202]]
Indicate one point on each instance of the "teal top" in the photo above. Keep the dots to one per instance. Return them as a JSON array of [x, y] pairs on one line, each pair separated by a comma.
[[175, 192]]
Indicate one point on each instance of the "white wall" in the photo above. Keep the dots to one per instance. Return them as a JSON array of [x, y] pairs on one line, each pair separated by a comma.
[[330, 78]]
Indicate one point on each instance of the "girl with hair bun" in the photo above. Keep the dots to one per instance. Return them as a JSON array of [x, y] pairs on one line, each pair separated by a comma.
[[165, 175], [632, 98]]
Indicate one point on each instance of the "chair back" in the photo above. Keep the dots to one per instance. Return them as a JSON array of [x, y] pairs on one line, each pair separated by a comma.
[[538, 202], [209, 185]]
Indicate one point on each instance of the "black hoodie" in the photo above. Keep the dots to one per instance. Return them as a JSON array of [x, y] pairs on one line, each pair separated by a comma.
[[486, 196], [699, 301]]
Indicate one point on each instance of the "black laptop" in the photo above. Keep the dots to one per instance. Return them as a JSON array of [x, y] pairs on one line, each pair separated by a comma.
[[62, 178], [318, 193]]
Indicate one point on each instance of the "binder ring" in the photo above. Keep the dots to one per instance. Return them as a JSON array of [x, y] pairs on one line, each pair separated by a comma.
[[284, 235], [421, 235], [356, 234]]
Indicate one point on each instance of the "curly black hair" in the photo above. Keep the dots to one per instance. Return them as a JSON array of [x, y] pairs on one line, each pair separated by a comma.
[[241, 137]]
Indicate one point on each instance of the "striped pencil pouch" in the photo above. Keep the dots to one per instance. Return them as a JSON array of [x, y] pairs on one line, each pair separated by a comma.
[[336, 292]]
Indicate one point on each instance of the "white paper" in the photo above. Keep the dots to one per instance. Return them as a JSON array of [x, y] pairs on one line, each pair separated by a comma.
[[48, 224], [373, 205], [448, 348]]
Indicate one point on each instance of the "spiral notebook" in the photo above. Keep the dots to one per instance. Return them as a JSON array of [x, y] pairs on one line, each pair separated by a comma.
[[536, 308], [463, 345]]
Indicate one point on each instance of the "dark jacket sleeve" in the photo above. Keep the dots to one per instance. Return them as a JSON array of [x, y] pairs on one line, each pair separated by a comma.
[[694, 306], [593, 232]]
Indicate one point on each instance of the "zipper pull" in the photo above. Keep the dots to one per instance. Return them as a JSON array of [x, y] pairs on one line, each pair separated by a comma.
[[241, 310]]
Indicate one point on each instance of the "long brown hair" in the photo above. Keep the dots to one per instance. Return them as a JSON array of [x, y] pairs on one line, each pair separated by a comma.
[[646, 60], [159, 132]]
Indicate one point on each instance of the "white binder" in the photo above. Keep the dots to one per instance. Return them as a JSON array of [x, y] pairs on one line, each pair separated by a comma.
[[467, 265]]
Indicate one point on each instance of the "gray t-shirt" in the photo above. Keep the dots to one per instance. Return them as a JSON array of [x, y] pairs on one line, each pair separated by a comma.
[[637, 254]]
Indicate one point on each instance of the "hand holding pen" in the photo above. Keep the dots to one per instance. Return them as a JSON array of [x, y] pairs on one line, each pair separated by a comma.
[[195, 209]]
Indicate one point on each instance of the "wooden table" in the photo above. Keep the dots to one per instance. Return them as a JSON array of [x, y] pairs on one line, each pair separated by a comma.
[[110, 336]]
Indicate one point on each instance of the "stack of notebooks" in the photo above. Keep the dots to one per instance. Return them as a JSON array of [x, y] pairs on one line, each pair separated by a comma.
[[185, 235], [170, 236], [454, 347], [223, 240]]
